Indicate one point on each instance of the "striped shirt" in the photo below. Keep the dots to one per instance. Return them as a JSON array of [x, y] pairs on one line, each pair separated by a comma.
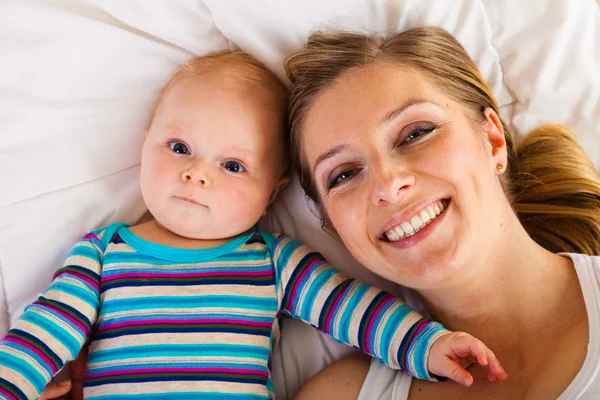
[[179, 324]]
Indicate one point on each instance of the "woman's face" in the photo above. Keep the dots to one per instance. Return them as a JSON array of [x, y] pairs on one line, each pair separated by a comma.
[[408, 182]]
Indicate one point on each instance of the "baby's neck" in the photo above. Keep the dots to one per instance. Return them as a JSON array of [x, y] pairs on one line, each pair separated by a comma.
[[153, 232]]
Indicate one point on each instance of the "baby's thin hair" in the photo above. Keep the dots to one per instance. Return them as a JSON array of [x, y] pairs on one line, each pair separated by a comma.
[[236, 63]]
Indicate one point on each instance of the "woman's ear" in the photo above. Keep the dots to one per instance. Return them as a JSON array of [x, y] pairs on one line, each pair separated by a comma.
[[496, 139]]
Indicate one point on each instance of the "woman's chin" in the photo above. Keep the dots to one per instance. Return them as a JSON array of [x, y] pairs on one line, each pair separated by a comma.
[[425, 271]]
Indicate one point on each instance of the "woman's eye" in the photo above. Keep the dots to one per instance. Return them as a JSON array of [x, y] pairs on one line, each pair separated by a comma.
[[418, 133], [340, 178], [233, 166], [179, 148]]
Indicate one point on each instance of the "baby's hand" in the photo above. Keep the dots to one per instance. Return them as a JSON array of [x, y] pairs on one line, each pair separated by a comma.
[[451, 353]]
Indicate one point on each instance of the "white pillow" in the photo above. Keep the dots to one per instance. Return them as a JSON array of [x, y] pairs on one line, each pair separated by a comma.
[[550, 58]]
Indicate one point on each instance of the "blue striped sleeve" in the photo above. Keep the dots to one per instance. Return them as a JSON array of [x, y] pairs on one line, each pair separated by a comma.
[[350, 311], [53, 329]]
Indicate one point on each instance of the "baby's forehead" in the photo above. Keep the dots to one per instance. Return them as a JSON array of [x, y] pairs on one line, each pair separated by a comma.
[[225, 97], [237, 67], [251, 95]]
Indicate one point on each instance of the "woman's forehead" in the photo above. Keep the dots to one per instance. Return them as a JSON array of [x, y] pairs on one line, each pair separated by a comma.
[[364, 97]]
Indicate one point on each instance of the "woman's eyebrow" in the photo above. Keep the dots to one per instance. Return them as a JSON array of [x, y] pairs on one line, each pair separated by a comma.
[[388, 118], [396, 112], [328, 154]]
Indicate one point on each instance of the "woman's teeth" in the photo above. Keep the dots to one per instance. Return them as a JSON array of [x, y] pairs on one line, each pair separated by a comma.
[[416, 222]]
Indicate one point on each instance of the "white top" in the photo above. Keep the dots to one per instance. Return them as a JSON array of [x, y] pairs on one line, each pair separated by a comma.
[[385, 383]]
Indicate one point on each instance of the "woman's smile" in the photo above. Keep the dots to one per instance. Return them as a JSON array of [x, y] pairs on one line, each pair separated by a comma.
[[416, 228]]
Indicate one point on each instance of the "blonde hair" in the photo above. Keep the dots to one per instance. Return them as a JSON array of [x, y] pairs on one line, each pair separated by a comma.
[[550, 182], [236, 63]]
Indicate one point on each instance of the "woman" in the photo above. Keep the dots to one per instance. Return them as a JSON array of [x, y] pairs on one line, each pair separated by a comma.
[[384, 129]]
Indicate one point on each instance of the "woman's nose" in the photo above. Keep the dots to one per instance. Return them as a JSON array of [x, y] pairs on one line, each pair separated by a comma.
[[389, 186], [197, 173]]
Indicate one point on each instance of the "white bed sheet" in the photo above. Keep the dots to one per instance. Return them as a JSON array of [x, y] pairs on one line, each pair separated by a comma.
[[77, 80]]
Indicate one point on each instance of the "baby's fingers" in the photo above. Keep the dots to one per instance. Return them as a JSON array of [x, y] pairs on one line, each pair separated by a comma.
[[451, 369], [466, 346], [495, 370], [486, 357]]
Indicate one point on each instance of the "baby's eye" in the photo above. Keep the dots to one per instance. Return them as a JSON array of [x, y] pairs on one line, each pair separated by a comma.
[[179, 148], [233, 166]]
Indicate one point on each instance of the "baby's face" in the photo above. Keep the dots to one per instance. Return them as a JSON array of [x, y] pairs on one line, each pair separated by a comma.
[[213, 158]]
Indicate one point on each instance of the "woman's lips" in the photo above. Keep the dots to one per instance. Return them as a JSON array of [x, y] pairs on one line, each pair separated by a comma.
[[421, 234]]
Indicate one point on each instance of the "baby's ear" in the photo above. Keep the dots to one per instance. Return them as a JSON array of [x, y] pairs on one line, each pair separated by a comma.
[[283, 181]]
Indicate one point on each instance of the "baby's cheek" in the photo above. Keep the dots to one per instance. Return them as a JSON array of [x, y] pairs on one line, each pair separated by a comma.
[[165, 179], [246, 204], [158, 169]]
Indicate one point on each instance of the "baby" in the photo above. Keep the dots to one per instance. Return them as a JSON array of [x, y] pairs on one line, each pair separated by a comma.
[[187, 305]]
